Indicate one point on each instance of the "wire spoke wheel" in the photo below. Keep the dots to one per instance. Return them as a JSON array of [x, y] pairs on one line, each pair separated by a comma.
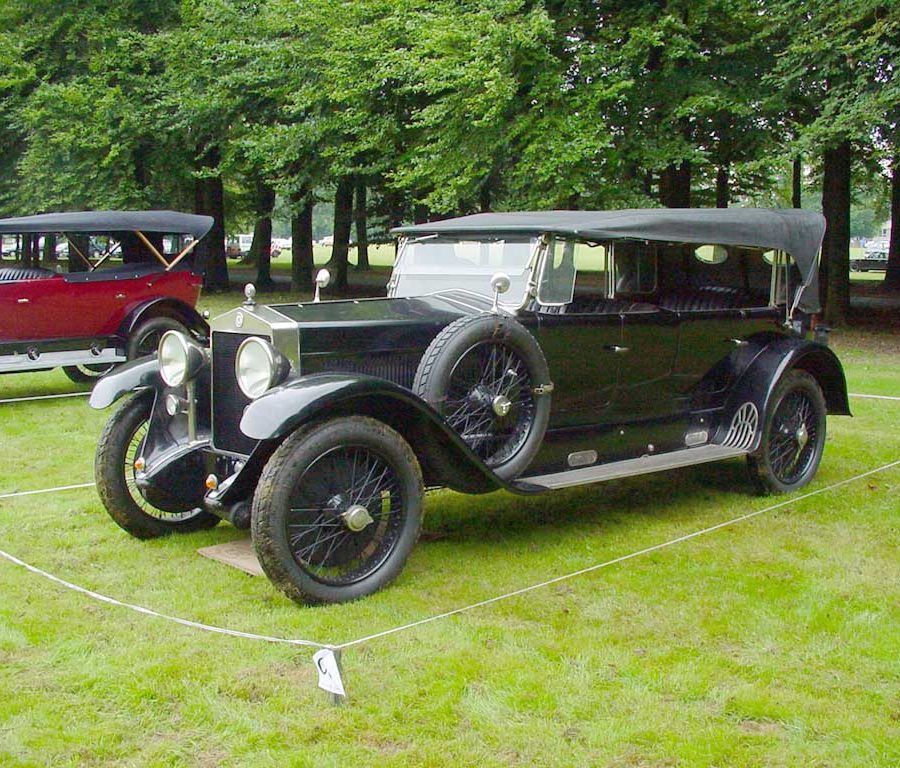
[[793, 438], [345, 515], [337, 510], [490, 401]]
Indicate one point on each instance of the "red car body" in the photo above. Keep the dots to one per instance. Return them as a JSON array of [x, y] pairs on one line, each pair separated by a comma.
[[90, 320]]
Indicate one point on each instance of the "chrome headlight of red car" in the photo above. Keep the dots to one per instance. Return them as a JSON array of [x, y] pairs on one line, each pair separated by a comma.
[[180, 358]]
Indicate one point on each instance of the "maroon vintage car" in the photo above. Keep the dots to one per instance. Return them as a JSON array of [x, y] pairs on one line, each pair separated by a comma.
[[128, 278]]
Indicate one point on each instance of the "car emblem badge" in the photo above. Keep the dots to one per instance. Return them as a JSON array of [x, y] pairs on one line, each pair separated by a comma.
[[239, 320]]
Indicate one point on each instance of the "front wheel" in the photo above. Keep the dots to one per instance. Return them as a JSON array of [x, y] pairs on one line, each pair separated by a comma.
[[793, 436], [145, 338], [87, 374], [120, 444], [337, 510]]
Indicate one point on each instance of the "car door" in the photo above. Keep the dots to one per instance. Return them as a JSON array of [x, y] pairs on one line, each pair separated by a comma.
[[646, 363], [581, 351]]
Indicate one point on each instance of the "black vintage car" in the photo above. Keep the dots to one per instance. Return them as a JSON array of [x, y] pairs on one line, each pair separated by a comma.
[[525, 351]]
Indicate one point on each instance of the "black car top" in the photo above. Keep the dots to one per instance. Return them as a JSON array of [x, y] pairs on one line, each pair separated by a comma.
[[795, 231]]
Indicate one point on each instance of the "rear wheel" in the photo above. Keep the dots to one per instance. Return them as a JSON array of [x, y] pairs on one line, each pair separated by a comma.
[[120, 444], [337, 510], [793, 436], [84, 374], [145, 338]]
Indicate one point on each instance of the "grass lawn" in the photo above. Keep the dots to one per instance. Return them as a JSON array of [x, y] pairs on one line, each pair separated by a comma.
[[774, 642]]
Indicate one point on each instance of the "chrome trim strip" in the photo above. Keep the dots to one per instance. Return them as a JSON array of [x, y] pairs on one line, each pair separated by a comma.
[[630, 467]]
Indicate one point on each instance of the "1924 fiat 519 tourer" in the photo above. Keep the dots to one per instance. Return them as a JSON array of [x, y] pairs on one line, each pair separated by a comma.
[[524, 351], [132, 283]]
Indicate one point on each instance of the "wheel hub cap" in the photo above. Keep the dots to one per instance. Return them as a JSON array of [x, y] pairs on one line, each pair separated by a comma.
[[501, 405], [356, 518], [802, 436]]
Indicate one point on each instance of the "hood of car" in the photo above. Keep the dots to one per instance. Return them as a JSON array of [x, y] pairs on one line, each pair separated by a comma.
[[377, 325]]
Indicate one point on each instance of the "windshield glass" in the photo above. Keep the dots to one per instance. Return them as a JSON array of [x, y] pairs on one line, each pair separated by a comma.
[[431, 264]]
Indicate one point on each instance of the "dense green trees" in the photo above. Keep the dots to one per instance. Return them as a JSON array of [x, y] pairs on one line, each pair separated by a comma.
[[407, 110]]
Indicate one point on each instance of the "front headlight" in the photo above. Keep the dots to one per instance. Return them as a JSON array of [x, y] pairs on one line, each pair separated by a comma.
[[180, 359], [258, 367]]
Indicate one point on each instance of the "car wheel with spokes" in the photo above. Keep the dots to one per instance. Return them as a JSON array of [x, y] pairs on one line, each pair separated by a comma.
[[144, 340], [337, 510], [793, 436], [487, 376], [84, 374], [120, 444]]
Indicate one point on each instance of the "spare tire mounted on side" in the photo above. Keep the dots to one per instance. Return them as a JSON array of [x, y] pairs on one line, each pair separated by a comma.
[[487, 376]]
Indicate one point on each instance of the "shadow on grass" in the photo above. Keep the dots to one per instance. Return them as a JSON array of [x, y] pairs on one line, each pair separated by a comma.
[[504, 517]]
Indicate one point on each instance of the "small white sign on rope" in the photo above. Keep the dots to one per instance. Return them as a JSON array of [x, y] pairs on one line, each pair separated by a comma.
[[329, 672]]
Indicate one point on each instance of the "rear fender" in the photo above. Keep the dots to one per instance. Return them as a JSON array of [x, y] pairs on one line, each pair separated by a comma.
[[281, 411], [757, 384], [166, 307]]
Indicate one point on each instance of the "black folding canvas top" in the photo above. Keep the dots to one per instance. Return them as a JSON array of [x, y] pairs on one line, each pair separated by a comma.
[[795, 231], [98, 222]]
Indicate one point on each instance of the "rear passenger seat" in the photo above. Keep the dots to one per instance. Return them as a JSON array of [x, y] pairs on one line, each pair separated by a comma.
[[708, 297], [12, 274]]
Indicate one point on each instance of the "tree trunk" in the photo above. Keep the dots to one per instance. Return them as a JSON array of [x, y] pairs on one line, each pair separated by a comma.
[[892, 276], [343, 219], [261, 248], [675, 185], [212, 201], [49, 257], [302, 264], [796, 179], [362, 236], [835, 268], [27, 246], [78, 242], [723, 185]]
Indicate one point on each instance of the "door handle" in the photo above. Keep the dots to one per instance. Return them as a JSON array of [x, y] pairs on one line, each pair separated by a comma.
[[120, 295], [738, 342], [616, 348], [23, 301]]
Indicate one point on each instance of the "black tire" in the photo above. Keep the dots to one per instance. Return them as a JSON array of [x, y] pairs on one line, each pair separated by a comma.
[[308, 489], [793, 436], [471, 363], [87, 374], [145, 338], [119, 445]]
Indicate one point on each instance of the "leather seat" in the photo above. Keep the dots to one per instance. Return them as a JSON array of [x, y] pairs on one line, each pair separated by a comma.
[[710, 297], [12, 274]]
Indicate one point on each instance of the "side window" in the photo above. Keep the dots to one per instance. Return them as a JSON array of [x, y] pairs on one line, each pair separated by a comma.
[[635, 267], [557, 284]]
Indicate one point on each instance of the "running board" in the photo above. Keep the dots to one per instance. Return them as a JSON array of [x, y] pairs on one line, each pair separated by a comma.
[[631, 467]]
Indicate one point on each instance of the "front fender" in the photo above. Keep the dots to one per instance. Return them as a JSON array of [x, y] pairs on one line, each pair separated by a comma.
[[140, 373], [757, 384], [446, 460]]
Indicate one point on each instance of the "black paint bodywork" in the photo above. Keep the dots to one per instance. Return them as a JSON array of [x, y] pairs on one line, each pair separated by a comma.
[[626, 382]]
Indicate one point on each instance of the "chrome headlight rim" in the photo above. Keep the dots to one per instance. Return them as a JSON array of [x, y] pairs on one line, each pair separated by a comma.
[[258, 376], [173, 354]]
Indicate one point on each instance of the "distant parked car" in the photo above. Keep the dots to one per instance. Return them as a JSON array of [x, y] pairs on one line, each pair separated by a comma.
[[516, 351], [116, 308], [875, 257], [328, 240]]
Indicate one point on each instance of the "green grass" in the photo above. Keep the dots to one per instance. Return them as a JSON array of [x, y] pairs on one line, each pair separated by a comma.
[[769, 643]]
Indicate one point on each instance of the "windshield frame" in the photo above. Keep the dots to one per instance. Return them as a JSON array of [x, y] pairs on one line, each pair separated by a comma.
[[537, 245]]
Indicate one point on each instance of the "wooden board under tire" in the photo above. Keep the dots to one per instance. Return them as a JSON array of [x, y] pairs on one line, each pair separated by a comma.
[[238, 554]]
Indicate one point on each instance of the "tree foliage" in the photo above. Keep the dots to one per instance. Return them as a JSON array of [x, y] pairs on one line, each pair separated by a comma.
[[439, 107]]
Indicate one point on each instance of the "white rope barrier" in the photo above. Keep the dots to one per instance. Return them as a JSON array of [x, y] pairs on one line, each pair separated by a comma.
[[46, 490], [150, 612], [43, 397], [327, 658], [874, 397], [623, 558]]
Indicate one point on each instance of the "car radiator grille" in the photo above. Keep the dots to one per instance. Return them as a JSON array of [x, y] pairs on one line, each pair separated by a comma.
[[228, 402]]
